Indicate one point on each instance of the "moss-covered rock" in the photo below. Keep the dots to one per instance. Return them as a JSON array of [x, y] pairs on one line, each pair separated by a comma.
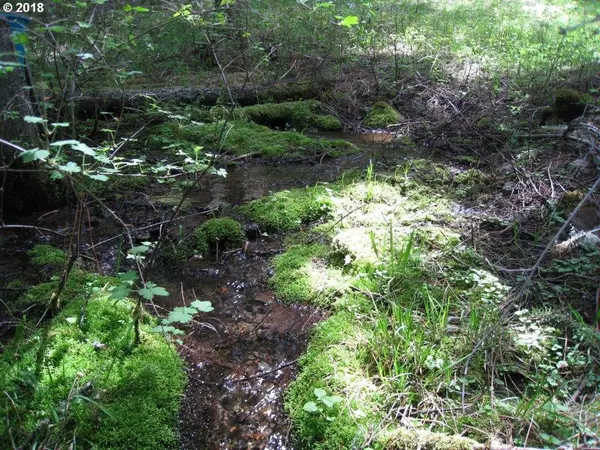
[[289, 210], [242, 138], [299, 115], [219, 234], [569, 104], [47, 256], [382, 115], [90, 382]]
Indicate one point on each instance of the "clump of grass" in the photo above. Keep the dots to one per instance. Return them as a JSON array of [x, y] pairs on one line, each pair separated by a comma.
[[289, 210], [220, 233], [79, 378], [406, 314], [382, 115]]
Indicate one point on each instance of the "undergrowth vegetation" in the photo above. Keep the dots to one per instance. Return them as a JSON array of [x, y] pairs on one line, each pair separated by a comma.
[[409, 303], [429, 342], [245, 138], [78, 380]]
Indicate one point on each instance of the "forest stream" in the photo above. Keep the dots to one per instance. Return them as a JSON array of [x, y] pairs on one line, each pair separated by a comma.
[[241, 356]]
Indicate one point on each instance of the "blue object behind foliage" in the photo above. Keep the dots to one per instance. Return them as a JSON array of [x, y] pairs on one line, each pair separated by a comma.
[[18, 24]]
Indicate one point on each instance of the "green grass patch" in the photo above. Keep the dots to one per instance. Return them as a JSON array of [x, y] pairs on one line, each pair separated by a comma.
[[303, 274], [80, 378]]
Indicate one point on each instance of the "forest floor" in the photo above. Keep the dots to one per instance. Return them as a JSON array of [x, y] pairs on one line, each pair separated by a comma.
[[397, 278]]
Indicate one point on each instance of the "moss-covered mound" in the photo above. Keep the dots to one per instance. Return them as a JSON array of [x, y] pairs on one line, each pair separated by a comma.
[[81, 377], [289, 210], [381, 116], [242, 138], [302, 275], [219, 234], [569, 104], [299, 115]]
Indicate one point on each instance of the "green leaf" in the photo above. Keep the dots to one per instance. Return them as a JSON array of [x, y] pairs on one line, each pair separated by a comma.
[[139, 250], [81, 147], [56, 176], [67, 142], [202, 306], [168, 329], [181, 314], [71, 167], [52, 28], [151, 289], [98, 177], [310, 407], [60, 124], [120, 292], [33, 119], [349, 21], [320, 393], [71, 320], [34, 155], [128, 276], [329, 401], [135, 8]]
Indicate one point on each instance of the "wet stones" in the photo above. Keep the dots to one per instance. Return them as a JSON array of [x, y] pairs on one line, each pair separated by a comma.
[[252, 231]]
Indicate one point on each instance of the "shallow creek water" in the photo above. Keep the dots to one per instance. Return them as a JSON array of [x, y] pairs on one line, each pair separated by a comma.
[[241, 356]]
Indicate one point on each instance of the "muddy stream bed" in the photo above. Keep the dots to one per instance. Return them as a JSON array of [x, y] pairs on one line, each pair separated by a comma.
[[241, 356]]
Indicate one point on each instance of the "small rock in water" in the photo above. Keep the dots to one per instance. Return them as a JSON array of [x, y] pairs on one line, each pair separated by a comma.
[[264, 367], [509, 188], [252, 231]]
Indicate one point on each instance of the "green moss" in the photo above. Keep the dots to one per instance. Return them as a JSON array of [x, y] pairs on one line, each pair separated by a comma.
[[37, 298], [92, 384], [302, 275], [426, 172], [381, 116], [174, 255], [242, 138], [289, 210], [334, 363], [411, 439], [299, 115], [219, 233], [484, 122], [471, 177], [43, 255], [569, 104]]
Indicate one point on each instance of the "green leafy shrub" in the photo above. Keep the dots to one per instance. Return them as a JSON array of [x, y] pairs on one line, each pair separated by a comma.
[[80, 379], [288, 210], [382, 115], [219, 233]]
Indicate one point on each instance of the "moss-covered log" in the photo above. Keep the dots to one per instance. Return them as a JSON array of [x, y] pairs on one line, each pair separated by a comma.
[[91, 104]]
